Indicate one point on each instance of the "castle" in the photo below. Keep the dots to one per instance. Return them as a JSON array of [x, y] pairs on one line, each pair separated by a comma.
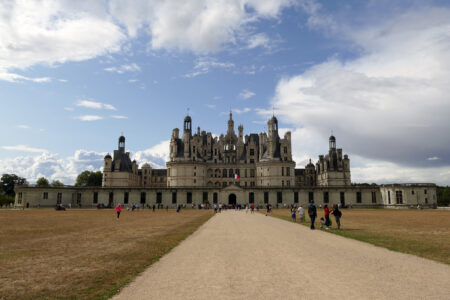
[[230, 169], [253, 160]]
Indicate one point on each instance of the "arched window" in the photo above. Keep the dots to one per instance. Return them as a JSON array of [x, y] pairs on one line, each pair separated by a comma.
[[210, 173], [230, 174], [224, 173]]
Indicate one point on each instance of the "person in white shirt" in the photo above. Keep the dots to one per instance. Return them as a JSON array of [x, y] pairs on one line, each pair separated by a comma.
[[300, 213]]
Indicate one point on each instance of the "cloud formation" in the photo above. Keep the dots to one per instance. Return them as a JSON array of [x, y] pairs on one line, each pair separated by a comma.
[[89, 118], [246, 94], [124, 68], [95, 105], [390, 103]]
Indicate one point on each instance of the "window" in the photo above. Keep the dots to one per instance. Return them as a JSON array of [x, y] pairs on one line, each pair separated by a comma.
[[224, 173], [342, 196], [266, 197], [59, 198], [245, 173], [78, 198], [174, 198], [188, 197], [389, 197], [245, 184], [399, 197], [195, 180], [252, 184], [205, 197], [311, 197], [215, 151], [45, 196], [19, 201], [95, 200], [251, 197], [224, 184], [285, 150], [282, 182], [143, 196], [288, 171], [288, 183], [295, 197], [282, 171], [111, 197], [252, 172], [425, 192], [230, 173], [325, 197], [279, 197], [426, 200], [215, 200], [195, 173], [285, 158], [412, 192], [252, 161], [358, 197], [159, 198], [374, 197], [125, 198]]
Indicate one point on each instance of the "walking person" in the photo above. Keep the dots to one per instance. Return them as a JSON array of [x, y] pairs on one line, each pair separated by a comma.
[[293, 215], [312, 212], [118, 210], [327, 216], [253, 208], [337, 215]]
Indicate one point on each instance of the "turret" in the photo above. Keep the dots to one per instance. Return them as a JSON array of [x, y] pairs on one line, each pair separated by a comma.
[[241, 133], [272, 127], [122, 144], [108, 163], [332, 142], [230, 124], [188, 125]]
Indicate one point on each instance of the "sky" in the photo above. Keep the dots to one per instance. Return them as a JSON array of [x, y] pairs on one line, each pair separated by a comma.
[[75, 75]]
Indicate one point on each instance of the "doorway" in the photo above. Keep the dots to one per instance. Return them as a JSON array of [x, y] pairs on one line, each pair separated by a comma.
[[232, 199]]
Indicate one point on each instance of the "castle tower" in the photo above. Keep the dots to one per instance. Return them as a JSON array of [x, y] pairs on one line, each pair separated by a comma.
[[121, 144], [230, 124], [332, 142]]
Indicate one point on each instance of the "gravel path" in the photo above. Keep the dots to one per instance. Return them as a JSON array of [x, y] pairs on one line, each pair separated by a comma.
[[242, 256]]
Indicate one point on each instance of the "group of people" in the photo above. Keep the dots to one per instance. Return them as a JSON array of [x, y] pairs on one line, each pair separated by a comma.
[[325, 221]]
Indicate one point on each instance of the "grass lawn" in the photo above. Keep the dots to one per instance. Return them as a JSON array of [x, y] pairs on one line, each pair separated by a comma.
[[424, 233], [84, 254]]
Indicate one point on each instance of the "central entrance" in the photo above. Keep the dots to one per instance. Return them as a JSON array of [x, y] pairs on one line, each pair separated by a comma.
[[232, 199]]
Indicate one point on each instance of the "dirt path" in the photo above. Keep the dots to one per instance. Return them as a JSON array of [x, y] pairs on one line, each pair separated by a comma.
[[242, 256]]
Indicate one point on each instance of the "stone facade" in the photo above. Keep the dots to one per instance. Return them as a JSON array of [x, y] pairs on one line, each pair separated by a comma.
[[230, 169]]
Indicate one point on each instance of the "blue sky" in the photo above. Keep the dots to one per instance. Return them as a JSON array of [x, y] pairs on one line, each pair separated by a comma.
[[74, 76]]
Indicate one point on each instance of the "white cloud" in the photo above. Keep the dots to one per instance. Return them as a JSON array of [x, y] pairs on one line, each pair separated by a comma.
[[242, 111], [197, 25], [63, 80], [23, 126], [68, 108], [52, 32], [211, 106], [258, 40], [24, 148], [124, 68], [89, 118], [390, 104], [95, 105], [203, 65], [132, 80], [156, 156], [433, 158], [246, 94], [119, 117]]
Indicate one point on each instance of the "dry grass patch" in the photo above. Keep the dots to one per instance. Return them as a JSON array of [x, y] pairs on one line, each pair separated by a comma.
[[424, 233], [84, 254]]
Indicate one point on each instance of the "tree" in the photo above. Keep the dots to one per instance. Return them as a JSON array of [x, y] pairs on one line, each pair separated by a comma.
[[8, 181], [42, 182], [57, 183], [88, 178]]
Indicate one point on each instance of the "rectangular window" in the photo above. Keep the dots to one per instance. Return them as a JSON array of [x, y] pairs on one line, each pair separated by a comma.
[[159, 198], [252, 161], [252, 152], [279, 197], [79, 198], [245, 184], [412, 192], [95, 200], [189, 197], [425, 192], [59, 198], [252, 184], [288, 171], [288, 183], [143, 196], [174, 198], [282, 183], [282, 171], [19, 201], [251, 197], [342, 196], [399, 197], [111, 198], [252, 173], [295, 197], [358, 197], [311, 197], [266, 197], [389, 197], [325, 197], [215, 200], [125, 198], [285, 150], [374, 197], [205, 197], [45, 196]]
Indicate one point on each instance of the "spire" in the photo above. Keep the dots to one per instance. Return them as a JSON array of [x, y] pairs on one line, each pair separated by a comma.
[[231, 115]]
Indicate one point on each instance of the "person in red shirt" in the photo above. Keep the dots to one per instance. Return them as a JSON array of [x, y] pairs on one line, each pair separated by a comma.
[[327, 216], [253, 208], [118, 210]]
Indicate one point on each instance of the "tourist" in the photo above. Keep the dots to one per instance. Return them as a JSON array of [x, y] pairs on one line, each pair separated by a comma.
[[252, 208], [327, 215], [301, 213], [322, 223], [268, 209], [215, 208], [293, 215], [312, 212], [178, 208], [118, 210], [337, 215], [153, 207]]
